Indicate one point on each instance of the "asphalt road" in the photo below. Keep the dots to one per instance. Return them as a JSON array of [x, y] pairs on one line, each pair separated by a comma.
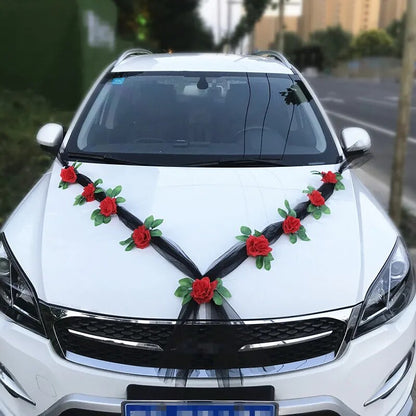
[[372, 104]]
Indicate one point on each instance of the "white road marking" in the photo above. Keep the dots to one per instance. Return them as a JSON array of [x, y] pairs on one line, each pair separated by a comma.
[[392, 98], [368, 125], [379, 102], [332, 99]]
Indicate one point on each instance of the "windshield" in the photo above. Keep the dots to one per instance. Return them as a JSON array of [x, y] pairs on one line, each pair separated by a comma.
[[180, 119]]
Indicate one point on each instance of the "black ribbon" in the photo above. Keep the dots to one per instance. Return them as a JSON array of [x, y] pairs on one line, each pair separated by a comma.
[[221, 267]]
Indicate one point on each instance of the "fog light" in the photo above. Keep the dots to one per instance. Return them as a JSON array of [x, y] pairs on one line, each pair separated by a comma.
[[8, 382], [396, 376]]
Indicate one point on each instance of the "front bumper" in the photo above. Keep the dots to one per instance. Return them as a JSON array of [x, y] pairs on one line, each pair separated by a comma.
[[341, 386]]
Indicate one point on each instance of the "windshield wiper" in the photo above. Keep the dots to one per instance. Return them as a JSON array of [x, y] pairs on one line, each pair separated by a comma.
[[240, 162], [91, 157]]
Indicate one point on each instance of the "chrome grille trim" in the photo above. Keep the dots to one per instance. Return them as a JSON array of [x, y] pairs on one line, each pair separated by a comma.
[[138, 345], [266, 345], [61, 313]]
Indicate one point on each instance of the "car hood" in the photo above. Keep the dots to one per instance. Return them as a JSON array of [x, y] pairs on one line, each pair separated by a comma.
[[75, 264]]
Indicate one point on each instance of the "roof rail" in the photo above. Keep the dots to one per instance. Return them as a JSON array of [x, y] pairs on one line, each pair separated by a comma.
[[131, 52], [276, 55]]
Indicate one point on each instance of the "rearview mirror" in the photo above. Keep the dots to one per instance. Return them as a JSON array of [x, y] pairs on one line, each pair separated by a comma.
[[355, 139], [50, 137]]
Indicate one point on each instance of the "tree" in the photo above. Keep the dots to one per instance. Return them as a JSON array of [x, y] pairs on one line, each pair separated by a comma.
[[292, 41], [375, 42], [396, 30], [254, 11], [163, 24], [334, 43]]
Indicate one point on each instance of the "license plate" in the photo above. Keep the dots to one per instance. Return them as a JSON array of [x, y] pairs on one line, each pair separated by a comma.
[[199, 409]]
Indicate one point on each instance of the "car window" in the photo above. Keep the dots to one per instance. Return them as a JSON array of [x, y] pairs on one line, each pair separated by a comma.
[[183, 118]]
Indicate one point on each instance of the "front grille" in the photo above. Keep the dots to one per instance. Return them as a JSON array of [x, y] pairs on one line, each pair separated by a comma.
[[199, 346]]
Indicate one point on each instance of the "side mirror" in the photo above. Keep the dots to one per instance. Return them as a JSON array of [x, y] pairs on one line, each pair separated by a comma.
[[355, 139], [50, 137]]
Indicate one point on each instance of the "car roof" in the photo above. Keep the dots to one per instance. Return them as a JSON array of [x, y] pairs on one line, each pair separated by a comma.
[[212, 62]]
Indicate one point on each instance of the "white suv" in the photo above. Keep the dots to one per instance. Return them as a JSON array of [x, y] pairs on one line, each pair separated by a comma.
[[200, 246]]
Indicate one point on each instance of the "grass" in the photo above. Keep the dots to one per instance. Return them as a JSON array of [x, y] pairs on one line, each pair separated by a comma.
[[21, 160]]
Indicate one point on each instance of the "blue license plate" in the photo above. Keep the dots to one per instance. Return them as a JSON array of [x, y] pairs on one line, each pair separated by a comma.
[[199, 409]]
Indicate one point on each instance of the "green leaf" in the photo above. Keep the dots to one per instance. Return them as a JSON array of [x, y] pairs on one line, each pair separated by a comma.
[[109, 192], [338, 176], [79, 199], [116, 190], [287, 205], [65, 185], [148, 221], [292, 213], [156, 223], [245, 230], [99, 190], [282, 212], [97, 182], [98, 220], [257, 233], [259, 262], [223, 291], [325, 209], [125, 242], [267, 264], [155, 233], [186, 299], [120, 199], [130, 246], [76, 165], [95, 213], [293, 238], [82, 201], [106, 220], [315, 172], [302, 234], [339, 186], [317, 214], [242, 238], [270, 256], [219, 282], [186, 281], [311, 208], [181, 291], [217, 299]]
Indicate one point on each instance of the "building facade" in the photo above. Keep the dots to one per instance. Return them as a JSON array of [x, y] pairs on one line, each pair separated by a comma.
[[391, 10], [353, 16]]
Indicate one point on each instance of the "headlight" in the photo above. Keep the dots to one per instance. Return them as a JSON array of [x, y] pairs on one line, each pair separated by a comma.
[[390, 293], [17, 297]]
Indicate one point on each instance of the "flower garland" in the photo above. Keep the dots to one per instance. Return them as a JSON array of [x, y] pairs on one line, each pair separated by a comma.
[[204, 289]]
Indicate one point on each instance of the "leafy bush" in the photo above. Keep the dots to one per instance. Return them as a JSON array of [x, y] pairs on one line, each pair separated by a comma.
[[21, 160]]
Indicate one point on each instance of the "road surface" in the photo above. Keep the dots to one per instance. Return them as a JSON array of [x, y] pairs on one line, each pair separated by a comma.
[[372, 105]]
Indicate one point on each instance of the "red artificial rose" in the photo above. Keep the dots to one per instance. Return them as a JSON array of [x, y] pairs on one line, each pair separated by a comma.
[[291, 225], [141, 237], [257, 246], [68, 175], [108, 206], [329, 177], [88, 192], [316, 198], [203, 290]]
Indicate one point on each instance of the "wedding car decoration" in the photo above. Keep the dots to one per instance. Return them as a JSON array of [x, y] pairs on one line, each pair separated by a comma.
[[207, 288]]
